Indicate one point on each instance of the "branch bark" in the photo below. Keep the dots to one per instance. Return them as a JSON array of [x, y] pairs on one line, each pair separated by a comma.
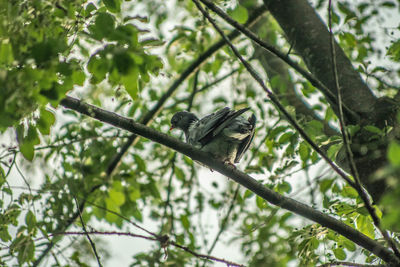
[[310, 38], [235, 174]]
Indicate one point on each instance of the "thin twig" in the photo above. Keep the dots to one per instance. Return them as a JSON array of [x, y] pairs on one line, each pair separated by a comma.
[[122, 217], [353, 168], [284, 56], [160, 239], [87, 235], [204, 88], [203, 256], [169, 189], [225, 220], [194, 91], [62, 144], [148, 117], [27, 184], [274, 99]]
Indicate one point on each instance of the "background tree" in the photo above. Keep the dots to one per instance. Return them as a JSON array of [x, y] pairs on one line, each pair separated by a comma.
[[324, 88]]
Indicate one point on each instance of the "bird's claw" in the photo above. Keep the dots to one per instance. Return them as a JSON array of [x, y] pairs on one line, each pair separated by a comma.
[[230, 164]]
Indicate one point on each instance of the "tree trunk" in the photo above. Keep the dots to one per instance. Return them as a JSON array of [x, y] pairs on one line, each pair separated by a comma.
[[310, 37]]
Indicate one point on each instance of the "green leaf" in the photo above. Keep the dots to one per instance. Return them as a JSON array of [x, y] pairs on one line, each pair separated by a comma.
[[333, 150], [152, 186], [26, 249], [393, 153], [2, 176], [260, 202], [352, 129], [350, 192], [117, 197], [392, 211], [339, 253], [6, 52], [113, 5], [285, 137], [27, 143], [326, 203], [324, 185], [46, 120], [98, 67], [134, 193], [89, 8], [394, 51], [137, 214], [304, 151], [247, 194], [4, 235], [314, 127], [349, 245], [185, 222], [140, 162], [111, 205], [314, 243], [373, 129], [123, 61], [79, 77], [276, 131], [130, 82], [284, 187], [30, 221], [365, 225], [179, 174], [126, 34], [104, 24], [239, 14], [27, 150]]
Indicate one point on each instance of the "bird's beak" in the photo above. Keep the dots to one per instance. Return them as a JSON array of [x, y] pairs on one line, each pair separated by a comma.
[[171, 128]]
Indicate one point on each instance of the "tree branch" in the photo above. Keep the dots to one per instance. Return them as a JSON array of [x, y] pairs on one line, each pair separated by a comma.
[[285, 57], [92, 244], [235, 174], [148, 117], [346, 142], [310, 37], [164, 240], [275, 100]]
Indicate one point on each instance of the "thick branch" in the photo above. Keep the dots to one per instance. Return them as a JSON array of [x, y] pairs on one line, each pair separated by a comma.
[[310, 37], [148, 117], [285, 57], [236, 175]]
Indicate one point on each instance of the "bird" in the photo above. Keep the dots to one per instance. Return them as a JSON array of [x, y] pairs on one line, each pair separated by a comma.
[[225, 133]]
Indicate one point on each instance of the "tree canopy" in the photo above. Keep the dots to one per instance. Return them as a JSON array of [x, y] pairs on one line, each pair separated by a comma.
[[88, 89]]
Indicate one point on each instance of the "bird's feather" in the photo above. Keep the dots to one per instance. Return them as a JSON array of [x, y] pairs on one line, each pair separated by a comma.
[[245, 144], [212, 125]]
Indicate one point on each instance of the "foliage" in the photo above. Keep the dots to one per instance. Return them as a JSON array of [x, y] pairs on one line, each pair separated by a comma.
[[123, 56]]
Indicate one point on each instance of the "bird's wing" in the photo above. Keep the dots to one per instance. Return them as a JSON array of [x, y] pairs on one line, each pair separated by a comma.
[[244, 145], [228, 120], [208, 127]]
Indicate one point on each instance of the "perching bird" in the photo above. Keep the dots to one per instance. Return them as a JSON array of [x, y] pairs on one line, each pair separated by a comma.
[[225, 134]]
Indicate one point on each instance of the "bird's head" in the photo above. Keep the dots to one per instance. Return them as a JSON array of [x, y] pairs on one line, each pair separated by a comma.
[[182, 120]]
